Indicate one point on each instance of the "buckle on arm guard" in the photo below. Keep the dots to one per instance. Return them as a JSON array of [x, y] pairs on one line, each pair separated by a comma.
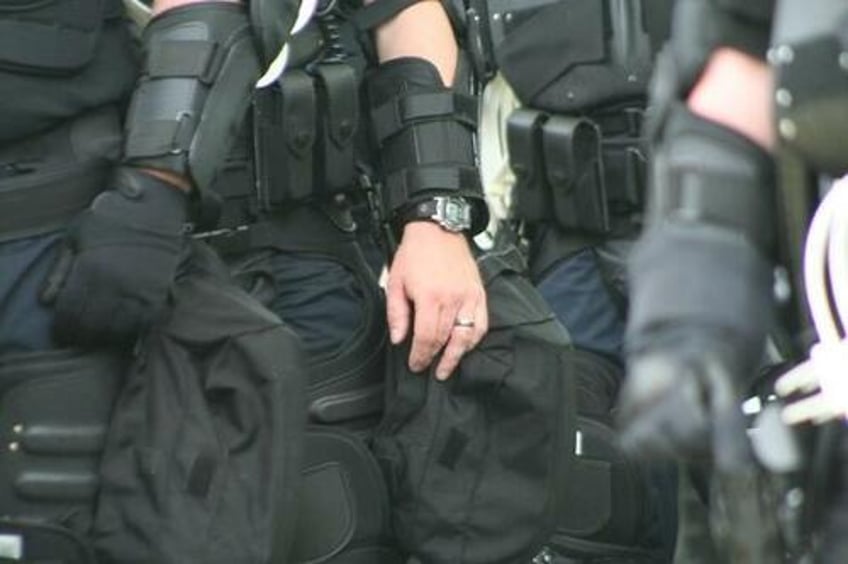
[[426, 138]]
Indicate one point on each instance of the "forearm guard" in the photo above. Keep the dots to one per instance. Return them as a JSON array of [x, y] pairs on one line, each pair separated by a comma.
[[704, 257], [425, 132], [200, 66]]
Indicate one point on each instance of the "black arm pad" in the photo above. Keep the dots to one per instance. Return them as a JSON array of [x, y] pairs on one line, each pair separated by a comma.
[[425, 132], [704, 258], [200, 66]]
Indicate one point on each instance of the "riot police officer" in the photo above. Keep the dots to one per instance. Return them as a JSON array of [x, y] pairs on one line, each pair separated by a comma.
[[572, 79], [703, 273], [102, 282]]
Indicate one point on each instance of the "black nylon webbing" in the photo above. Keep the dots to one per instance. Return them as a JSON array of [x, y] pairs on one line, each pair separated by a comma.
[[34, 207], [408, 184], [154, 138], [400, 112]]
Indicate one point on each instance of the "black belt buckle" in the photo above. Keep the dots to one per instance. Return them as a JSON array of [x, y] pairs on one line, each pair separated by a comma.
[[532, 196], [575, 172]]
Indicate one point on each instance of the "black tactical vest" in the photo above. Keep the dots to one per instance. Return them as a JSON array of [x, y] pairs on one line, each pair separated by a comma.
[[572, 56], [59, 58]]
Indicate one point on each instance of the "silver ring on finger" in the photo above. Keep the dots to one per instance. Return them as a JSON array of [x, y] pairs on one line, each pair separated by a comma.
[[464, 322]]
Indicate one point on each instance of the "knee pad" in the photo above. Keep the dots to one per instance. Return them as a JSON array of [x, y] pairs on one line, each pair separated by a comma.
[[610, 510], [474, 464], [345, 385], [344, 508], [54, 412]]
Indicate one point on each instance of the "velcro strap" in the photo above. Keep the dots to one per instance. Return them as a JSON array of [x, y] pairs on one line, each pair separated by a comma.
[[705, 173], [378, 13], [169, 59], [400, 112], [719, 199], [159, 137], [412, 183]]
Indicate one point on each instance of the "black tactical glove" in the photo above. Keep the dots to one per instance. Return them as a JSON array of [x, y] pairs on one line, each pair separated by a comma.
[[680, 390], [113, 274]]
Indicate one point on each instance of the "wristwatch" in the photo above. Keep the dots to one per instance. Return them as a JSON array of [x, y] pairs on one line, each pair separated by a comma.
[[452, 213]]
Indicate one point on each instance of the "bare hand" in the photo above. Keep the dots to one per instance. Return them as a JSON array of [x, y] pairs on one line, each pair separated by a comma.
[[434, 276]]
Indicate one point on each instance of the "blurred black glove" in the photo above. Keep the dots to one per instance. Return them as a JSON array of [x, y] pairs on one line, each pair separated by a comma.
[[113, 274], [679, 391]]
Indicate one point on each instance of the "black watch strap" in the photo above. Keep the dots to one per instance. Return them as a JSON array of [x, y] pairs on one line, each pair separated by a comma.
[[452, 213]]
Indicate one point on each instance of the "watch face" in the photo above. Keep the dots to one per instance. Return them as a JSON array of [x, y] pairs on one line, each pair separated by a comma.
[[455, 214]]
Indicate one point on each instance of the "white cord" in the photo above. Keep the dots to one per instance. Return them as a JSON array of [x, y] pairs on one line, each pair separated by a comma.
[[826, 277], [837, 253], [275, 70], [815, 261], [140, 13]]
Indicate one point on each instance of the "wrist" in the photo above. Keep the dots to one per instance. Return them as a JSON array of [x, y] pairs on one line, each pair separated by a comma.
[[735, 90], [172, 179], [453, 214], [147, 198], [414, 232], [420, 226]]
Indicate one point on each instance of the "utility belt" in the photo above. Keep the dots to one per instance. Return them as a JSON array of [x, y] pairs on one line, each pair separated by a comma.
[[298, 146], [47, 179], [585, 174]]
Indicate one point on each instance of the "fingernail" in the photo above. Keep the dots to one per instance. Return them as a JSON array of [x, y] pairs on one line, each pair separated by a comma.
[[442, 375], [394, 335]]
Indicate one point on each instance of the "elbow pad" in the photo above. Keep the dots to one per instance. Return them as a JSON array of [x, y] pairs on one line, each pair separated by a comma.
[[200, 67]]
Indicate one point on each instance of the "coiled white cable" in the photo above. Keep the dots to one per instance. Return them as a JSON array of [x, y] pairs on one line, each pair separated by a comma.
[[275, 70], [826, 279]]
